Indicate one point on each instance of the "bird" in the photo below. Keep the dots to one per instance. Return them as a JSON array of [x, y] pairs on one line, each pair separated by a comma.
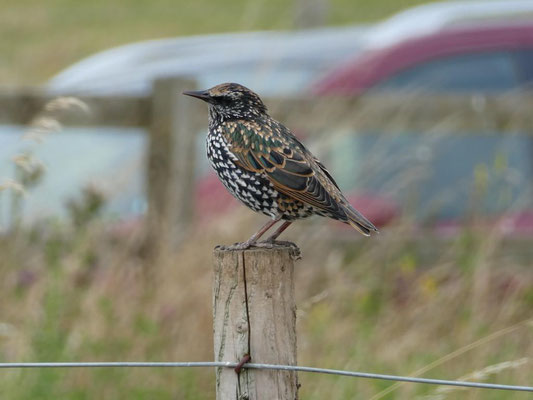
[[263, 165]]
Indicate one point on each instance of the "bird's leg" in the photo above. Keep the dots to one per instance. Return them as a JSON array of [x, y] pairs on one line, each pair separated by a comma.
[[272, 242], [279, 231], [262, 231], [253, 239]]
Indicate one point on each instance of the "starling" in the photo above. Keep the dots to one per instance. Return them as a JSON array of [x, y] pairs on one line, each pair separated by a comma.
[[266, 167]]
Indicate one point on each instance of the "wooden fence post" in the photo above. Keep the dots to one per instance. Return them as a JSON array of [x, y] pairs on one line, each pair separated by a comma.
[[171, 163], [263, 323]]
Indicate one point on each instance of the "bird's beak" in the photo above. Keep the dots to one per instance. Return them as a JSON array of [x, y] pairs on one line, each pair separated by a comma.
[[199, 94]]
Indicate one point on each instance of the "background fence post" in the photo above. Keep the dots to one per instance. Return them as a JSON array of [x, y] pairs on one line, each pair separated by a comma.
[[268, 335], [171, 163]]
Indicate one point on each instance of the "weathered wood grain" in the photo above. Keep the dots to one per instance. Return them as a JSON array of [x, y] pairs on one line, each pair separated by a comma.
[[272, 322]]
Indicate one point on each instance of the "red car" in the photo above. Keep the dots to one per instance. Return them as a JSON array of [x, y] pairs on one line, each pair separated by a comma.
[[476, 60]]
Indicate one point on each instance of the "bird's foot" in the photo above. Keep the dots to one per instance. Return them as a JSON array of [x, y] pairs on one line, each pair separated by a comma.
[[265, 244], [272, 244], [237, 246]]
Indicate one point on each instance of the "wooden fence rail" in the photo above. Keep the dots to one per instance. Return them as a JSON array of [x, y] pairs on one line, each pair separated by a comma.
[[172, 122]]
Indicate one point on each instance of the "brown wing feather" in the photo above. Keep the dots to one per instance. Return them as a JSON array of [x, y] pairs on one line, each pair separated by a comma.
[[271, 149]]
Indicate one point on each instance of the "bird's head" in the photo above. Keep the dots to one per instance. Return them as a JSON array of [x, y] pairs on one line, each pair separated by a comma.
[[231, 101]]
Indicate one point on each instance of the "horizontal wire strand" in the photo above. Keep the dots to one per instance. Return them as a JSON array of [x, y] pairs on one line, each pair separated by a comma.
[[478, 385]]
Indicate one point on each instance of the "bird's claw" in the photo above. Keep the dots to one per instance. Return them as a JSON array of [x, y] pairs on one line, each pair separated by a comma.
[[265, 244], [236, 246], [271, 244]]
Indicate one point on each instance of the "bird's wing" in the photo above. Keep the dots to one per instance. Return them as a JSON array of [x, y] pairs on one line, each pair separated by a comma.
[[271, 149]]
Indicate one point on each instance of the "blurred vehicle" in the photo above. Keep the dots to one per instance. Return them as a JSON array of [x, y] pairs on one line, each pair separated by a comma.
[[274, 63], [476, 60], [271, 63], [436, 16]]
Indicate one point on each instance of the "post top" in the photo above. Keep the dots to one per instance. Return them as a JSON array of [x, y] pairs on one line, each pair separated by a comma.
[[262, 247]]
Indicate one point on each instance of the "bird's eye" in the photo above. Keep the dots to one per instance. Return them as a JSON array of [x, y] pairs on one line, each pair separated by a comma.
[[222, 100]]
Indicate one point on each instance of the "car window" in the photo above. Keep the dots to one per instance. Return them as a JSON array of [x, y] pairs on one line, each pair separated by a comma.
[[438, 173], [480, 72]]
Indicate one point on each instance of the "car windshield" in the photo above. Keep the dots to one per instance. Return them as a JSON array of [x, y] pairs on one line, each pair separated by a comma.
[[478, 72]]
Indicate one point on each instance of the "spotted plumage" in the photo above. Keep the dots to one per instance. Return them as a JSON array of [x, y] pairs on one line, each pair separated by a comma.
[[266, 167]]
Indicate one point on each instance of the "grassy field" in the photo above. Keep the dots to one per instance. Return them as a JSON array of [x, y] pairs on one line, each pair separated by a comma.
[[76, 290], [452, 309], [40, 38]]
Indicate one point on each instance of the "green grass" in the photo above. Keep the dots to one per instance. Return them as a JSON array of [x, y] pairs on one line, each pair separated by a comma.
[[40, 38], [391, 305]]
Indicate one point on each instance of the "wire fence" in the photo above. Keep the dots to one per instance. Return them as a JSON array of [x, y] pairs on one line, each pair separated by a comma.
[[354, 374]]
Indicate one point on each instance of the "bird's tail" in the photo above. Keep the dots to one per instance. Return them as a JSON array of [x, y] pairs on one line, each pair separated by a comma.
[[359, 222]]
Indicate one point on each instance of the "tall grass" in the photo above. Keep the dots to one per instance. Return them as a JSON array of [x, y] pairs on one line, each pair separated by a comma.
[[391, 305]]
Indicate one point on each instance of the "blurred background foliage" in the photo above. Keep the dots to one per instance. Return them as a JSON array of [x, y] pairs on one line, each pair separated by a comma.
[[38, 39], [81, 289]]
